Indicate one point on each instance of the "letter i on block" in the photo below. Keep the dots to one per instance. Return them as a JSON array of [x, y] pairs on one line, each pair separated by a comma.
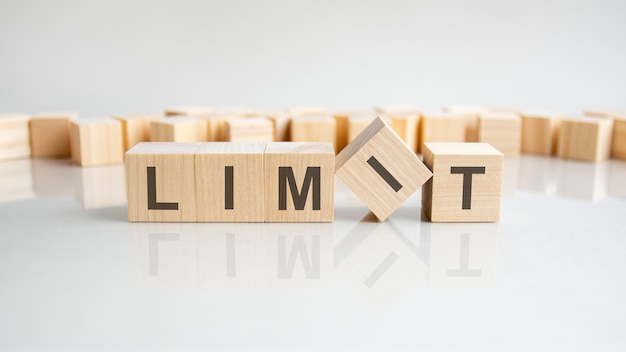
[[229, 182], [160, 180], [299, 182], [466, 184], [381, 169]]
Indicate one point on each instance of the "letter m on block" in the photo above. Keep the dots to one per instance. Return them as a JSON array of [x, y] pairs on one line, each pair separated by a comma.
[[287, 178]]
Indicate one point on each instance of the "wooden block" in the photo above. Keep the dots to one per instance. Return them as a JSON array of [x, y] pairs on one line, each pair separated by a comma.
[[100, 187], [342, 125], [501, 130], [96, 142], [605, 113], [540, 132], [50, 134], [190, 111], [380, 169], [471, 119], [467, 182], [229, 182], [306, 111], [313, 129], [135, 128], [178, 129], [618, 149], [281, 123], [251, 129], [160, 179], [14, 136], [406, 126], [299, 182], [398, 110], [585, 138], [358, 123], [441, 127]]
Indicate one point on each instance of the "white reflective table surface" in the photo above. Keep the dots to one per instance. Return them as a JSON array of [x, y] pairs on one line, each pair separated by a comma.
[[75, 275]]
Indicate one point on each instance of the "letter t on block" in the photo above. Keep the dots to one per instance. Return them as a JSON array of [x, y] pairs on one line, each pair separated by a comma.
[[466, 184]]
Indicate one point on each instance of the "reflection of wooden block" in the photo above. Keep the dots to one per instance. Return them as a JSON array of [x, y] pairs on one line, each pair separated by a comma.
[[229, 177], [178, 129], [160, 180], [406, 127], [502, 130], [17, 180], [441, 127], [299, 182], [585, 138], [584, 181], [540, 133], [313, 129], [190, 110], [357, 124], [50, 135], [252, 129], [52, 177], [96, 142], [135, 128], [466, 184], [100, 187], [306, 111], [14, 136], [380, 169]]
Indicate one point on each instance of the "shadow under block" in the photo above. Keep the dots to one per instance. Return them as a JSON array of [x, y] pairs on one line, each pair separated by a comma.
[[50, 135], [380, 169], [540, 133], [178, 129], [585, 138], [14, 136], [252, 129], [441, 127], [229, 179], [299, 182], [313, 129], [96, 142], [502, 130], [467, 182], [406, 126], [161, 182], [135, 128]]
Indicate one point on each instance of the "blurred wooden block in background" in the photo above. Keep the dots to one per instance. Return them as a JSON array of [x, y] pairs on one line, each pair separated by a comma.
[[540, 132], [251, 129], [14, 136], [313, 129], [467, 182], [135, 128], [406, 126], [306, 111], [358, 124], [230, 182], [281, 123], [398, 110], [160, 180], [618, 148], [178, 129], [342, 125], [502, 130], [380, 169], [96, 142], [50, 134], [471, 119], [441, 127], [190, 111], [585, 138], [299, 182]]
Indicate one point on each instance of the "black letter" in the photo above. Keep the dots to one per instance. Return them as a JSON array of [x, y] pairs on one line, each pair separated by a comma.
[[228, 185], [467, 182], [152, 196], [285, 174], [388, 177]]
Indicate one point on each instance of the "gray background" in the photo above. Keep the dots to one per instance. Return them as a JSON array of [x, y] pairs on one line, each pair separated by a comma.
[[113, 56]]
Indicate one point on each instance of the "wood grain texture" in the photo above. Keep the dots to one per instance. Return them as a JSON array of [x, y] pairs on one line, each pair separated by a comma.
[[342, 125], [313, 129], [178, 129], [441, 127], [618, 147], [251, 129], [502, 130], [96, 142], [14, 136], [385, 183], [540, 132], [298, 160], [407, 127], [585, 138], [443, 197], [281, 123], [230, 182], [358, 123], [135, 128], [50, 134]]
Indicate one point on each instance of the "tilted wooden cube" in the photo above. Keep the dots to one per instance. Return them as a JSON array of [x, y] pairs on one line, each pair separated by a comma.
[[540, 132], [585, 138], [50, 134], [467, 182], [96, 142], [14, 136], [380, 169], [502, 130], [299, 182]]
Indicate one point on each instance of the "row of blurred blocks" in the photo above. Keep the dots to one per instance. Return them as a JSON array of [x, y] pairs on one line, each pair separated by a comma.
[[103, 141]]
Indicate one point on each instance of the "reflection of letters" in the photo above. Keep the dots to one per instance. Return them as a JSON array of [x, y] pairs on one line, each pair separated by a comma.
[[312, 176], [381, 269], [464, 270], [231, 259], [286, 265], [154, 239]]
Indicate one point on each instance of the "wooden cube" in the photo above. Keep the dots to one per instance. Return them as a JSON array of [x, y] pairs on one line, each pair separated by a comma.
[[135, 128], [397, 110], [467, 182], [299, 182], [14, 136], [229, 182], [251, 129], [190, 111], [441, 127], [358, 123], [313, 129], [281, 124], [501, 130], [406, 126], [540, 132], [618, 149], [306, 111], [585, 138], [342, 125], [471, 119], [178, 129], [50, 134], [380, 169], [160, 179], [96, 142]]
